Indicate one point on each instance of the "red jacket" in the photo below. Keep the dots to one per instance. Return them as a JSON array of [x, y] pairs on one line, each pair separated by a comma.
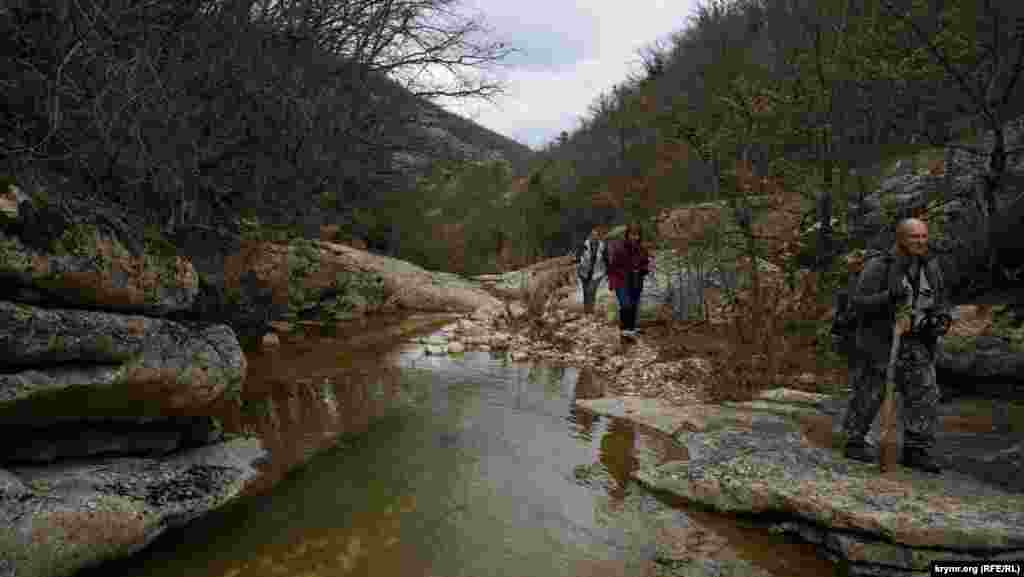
[[625, 256]]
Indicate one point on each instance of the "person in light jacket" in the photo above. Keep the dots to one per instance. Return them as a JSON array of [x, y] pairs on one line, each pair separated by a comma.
[[590, 267]]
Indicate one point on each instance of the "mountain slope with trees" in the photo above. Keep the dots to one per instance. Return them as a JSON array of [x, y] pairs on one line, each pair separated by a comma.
[[206, 111]]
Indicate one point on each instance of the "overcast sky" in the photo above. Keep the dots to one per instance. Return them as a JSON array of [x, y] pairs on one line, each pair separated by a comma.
[[570, 52]]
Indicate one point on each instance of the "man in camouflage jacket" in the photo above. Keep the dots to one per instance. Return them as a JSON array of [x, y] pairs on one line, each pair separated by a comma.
[[902, 276]]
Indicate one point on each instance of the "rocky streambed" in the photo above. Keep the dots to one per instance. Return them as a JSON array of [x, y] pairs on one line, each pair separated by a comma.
[[120, 359]]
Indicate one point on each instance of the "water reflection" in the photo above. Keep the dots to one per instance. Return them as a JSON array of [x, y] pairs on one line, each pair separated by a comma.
[[483, 469], [618, 454], [586, 386], [300, 397]]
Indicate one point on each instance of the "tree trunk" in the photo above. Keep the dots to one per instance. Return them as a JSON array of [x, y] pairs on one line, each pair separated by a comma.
[[824, 214], [755, 283]]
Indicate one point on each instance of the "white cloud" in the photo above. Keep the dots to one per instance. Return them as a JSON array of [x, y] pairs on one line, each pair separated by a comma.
[[548, 93]]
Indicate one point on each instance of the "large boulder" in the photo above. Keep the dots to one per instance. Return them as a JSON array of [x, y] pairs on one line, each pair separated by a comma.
[[58, 519], [82, 255], [249, 284], [46, 351]]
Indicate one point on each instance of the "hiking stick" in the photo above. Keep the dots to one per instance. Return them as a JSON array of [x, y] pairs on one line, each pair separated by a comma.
[[887, 447], [887, 420]]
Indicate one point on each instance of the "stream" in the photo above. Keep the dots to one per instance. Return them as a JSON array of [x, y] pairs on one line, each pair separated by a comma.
[[384, 461]]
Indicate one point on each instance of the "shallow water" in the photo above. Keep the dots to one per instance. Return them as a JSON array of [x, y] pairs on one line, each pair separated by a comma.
[[446, 466]]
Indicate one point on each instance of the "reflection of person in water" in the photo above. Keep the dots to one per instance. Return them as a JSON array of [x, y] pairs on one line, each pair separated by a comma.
[[618, 454], [586, 387]]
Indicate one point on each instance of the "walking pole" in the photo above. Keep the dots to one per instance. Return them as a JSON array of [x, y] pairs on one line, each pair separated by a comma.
[[887, 457]]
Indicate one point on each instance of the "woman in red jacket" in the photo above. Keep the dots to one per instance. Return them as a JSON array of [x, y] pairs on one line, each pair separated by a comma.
[[628, 263]]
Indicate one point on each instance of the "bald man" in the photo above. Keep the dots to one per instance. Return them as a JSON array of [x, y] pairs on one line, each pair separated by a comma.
[[904, 275]]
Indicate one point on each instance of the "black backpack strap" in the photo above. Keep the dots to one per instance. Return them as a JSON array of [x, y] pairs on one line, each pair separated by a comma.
[[933, 272]]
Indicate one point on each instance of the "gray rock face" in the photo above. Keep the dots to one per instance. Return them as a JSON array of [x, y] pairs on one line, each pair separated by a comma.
[[991, 368], [756, 457], [34, 336], [102, 437], [185, 365], [59, 519], [954, 225], [98, 437]]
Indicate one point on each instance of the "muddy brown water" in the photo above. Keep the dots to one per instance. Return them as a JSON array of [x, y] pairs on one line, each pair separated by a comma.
[[384, 461]]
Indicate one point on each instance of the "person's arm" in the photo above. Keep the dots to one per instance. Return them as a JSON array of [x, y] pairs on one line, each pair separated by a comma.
[[945, 301], [873, 293], [644, 265]]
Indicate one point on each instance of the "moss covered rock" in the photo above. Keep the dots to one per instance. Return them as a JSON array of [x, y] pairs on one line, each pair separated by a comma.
[[46, 351], [82, 257]]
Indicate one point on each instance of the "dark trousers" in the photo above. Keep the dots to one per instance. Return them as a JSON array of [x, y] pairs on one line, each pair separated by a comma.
[[589, 293], [629, 301], [915, 377]]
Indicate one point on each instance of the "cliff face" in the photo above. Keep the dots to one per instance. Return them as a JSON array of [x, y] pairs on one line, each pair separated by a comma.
[[947, 193], [102, 449]]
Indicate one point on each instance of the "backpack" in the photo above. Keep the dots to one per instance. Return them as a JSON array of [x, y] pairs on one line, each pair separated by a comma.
[[845, 320]]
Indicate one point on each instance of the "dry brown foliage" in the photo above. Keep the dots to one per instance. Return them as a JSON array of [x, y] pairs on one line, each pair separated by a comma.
[[754, 351], [543, 285], [763, 356]]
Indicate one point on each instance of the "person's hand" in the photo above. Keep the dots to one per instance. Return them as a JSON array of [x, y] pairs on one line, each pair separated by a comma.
[[898, 293], [904, 316]]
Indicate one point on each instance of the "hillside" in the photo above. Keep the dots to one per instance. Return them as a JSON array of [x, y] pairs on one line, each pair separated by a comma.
[[476, 141]]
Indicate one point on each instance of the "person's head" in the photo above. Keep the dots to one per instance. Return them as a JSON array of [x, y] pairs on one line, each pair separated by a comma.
[[598, 232], [634, 233], [912, 237]]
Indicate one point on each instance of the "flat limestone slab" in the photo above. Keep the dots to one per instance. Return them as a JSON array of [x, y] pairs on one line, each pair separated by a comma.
[[673, 419], [787, 409], [902, 518], [740, 473], [751, 458], [783, 395]]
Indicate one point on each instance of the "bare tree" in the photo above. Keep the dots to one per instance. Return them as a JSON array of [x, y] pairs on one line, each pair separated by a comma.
[[180, 107]]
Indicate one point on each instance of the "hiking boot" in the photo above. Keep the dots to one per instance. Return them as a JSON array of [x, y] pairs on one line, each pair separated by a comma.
[[920, 459], [858, 452]]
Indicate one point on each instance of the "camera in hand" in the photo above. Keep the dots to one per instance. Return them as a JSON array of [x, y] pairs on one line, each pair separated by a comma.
[[934, 324]]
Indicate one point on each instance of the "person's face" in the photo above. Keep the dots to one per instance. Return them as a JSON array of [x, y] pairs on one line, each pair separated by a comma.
[[634, 235], [914, 239]]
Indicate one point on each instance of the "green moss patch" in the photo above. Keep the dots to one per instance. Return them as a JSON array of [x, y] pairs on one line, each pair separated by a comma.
[[77, 240]]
